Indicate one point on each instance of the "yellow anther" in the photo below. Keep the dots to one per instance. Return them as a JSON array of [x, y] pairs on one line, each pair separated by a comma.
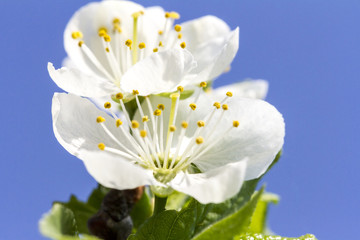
[[137, 14], [184, 124], [236, 123], [225, 107], [217, 105], [161, 44], [117, 28], [145, 118], [193, 106], [107, 105], [116, 21], [80, 43], [107, 49], [100, 119], [119, 96], [177, 28], [76, 35], [118, 123], [142, 45], [179, 36], [155, 50], [172, 128], [102, 31], [201, 124], [160, 32], [134, 124], [161, 107], [183, 45], [203, 84], [128, 43], [180, 88], [107, 38], [101, 146], [173, 15], [157, 112], [199, 140], [135, 92], [143, 133], [229, 94]]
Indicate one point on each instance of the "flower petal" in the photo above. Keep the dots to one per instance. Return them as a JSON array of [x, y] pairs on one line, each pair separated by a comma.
[[76, 82], [215, 56], [161, 72], [245, 89], [75, 127], [259, 137], [201, 30], [89, 19], [213, 186]]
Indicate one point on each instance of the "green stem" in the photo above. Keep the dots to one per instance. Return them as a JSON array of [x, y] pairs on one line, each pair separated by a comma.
[[159, 205]]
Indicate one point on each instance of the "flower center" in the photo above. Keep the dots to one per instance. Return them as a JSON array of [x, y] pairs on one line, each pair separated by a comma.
[[122, 49], [167, 153]]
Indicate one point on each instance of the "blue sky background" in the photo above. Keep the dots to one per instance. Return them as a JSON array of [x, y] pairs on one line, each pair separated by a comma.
[[309, 52]]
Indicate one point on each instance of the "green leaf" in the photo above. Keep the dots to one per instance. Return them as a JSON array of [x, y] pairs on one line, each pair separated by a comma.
[[142, 210], [258, 221], [216, 212], [84, 210], [176, 200], [233, 224], [258, 236], [170, 224], [58, 222]]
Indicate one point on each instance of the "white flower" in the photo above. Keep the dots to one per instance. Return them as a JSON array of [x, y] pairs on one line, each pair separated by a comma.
[[105, 42], [197, 146]]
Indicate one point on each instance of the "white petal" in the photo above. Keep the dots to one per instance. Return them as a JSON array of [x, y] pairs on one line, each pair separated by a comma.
[[112, 172], [75, 127], [214, 186], [88, 20], [259, 137], [76, 82], [245, 89], [201, 30], [161, 72], [215, 56]]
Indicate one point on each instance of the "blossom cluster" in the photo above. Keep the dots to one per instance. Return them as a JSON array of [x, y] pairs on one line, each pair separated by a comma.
[[140, 109]]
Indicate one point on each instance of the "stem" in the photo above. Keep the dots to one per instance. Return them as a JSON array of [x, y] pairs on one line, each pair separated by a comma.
[[159, 205]]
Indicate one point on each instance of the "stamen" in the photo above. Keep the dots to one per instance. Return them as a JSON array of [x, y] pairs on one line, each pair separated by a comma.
[[236, 124], [142, 45], [179, 36], [107, 105], [225, 107], [157, 112], [184, 124], [135, 92], [100, 119], [101, 146], [201, 123], [172, 128], [161, 107], [192, 106], [119, 96], [76, 35], [155, 50], [180, 88], [143, 133], [160, 32], [203, 84], [183, 45], [80, 43], [199, 140], [145, 118], [116, 21], [102, 31], [177, 28], [134, 124], [229, 94], [118, 123], [161, 44], [217, 105], [128, 43]]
